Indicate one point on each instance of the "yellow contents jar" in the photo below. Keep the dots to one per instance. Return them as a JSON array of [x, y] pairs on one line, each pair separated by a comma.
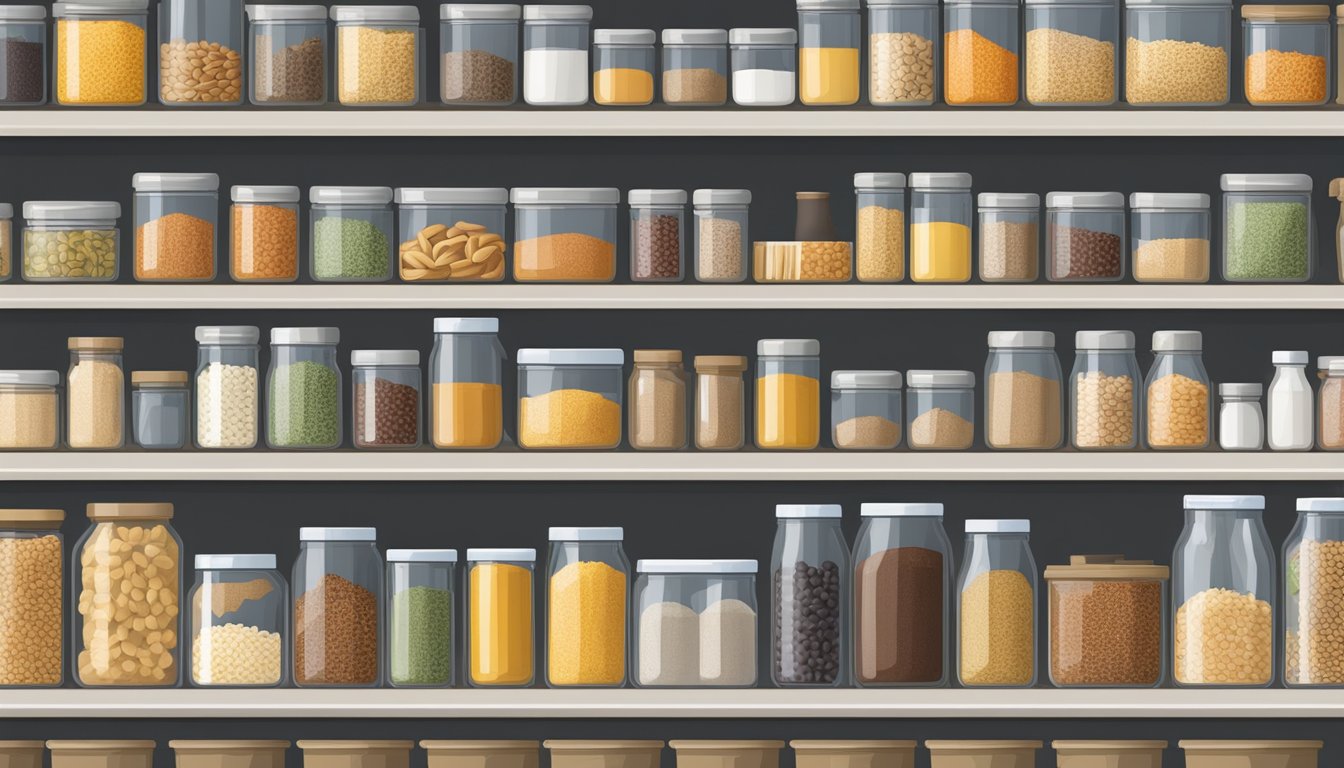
[[788, 394], [940, 227], [623, 67], [828, 52], [499, 622]]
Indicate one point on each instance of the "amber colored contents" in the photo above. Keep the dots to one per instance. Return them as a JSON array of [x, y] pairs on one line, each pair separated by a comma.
[[467, 415], [178, 246], [828, 76], [500, 635], [571, 256], [569, 418], [265, 243], [586, 633], [617, 86], [978, 70], [100, 61], [1285, 77], [788, 411]]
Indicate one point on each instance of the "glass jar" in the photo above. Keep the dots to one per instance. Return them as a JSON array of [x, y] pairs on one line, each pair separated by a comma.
[[1180, 394], [1337, 191], [95, 393], [810, 567], [1169, 237], [30, 410], [828, 52], [902, 53], [201, 52], [443, 227], [386, 389], [227, 394], [788, 394], [866, 410], [569, 398], [32, 598], [1010, 237], [1085, 237], [377, 55], [499, 620], [658, 401], [624, 63], [303, 389], [564, 234], [70, 242], [1268, 232], [1024, 394], [1223, 594], [695, 624], [1178, 52], [996, 596], [980, 48], [879, 229], [721, 244], [6, 226], [265, 234], [555, 54], [289, 55], [1073, 52], [765, 66], [23, 47], [1107, 622], [940, 407], [1241, 420], [478, 44], [127, 635], [1104, 410], [1291, 407], [1287, 51], [160, 409], [338, 607], [175, 220], [351, 237], [1330, 432], [1313, 595], [466, 375], [239, 606], [422, 616], [695, 67], [101, 53], [588, 589], [720, 402], [657, 235], [940, 227]]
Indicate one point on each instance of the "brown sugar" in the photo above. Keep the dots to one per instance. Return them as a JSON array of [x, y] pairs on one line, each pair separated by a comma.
[[177, 246], [265, 243], [566, 256]]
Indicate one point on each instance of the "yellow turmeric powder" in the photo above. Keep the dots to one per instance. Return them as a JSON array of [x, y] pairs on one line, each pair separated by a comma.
[[788, 412], [569, 418], [585, 642]]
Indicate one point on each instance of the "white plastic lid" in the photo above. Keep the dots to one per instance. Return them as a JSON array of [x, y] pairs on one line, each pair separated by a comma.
[[502, 555], [788, 347], [228, 334], [722, 197], [577, 356], [31, 378], [790, 511], [613, 533], [624, 37], [175, 182], [1236, 389], [695, 37], [1290, 357], [374, 13], [866, 380], [393, 357], [1084, 200], [287, 13], [1008, 200], [70, 210], [305, 335], [1336, 366], [1178, 2], [901, 509], [940, 180], [879, 180], [763, 36], [451, 196], [110, 7], [338, 534], [565, 195], [1188, 200], [1224, 502], [1324, 362], [466, 325], [1321, 504], [828, 5], [1103, 340], [1265, 182], [6, 211], [422, 555], [1177, 341], [697, 566], [266, 194], [646, 198], [1021, 339], [350, 195], [557, 13], [934, 379], [22, 13], [480, 12], [998, 526], [235, 562]]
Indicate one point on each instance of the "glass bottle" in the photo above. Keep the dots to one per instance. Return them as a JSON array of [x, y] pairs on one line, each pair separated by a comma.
[[227, 386], [996, 642], [338, 573], [1314, 595], [788, 394], [1241, 420], [304, 389], [95, 393], [421, 604], [1290, 419], [810, 571], [1023, 391], [720, 402]]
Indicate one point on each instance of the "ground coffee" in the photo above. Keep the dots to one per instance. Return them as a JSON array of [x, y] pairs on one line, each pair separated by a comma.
[[898, 634], [22, 83]]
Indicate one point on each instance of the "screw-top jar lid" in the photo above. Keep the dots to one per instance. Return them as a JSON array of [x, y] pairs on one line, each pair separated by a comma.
[[1321, 504], [477, 555], [132, 511], [720, 363], [798, 511], [267, 193], [879, 180], [624, 37], [695, 36], [1106, 568], [319, 335], [71, 210], [998, 526], [349, 195], [828, 5], [1084, 200], [1290, 357], [1265, 182], [1222, 502], [763, 36], [866, 380], [697, 566], [565, 195], [466, 325], [451, 195], [611, 533], [1103, 340], [422, 555], [31, 519], [374, 13], [286, 13], [162, 378], [900, 509], [645, 198], [577, 356], [1324, 362], [338, 534], [106, 7], [6, 210], [1008, 200], [1021, 339], [235, 562], [22, 13], [239, 335], [721, 197], [175, 182], [1177, 341], [657, 355], [931, 379], [1285, 12], [31, 378], [1179, 200], [940, 180], [479, 12], [1240, 389], [788, 348], [1336, 367], [95, 343], [557, 13], [361, 358]]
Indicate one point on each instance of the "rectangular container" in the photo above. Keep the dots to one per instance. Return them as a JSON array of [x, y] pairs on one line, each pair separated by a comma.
[[567, 753], [982, 754], [101, 753], [356, 754], [230, 753], [853, 753], [21, 754], [1250, 753], [1108, 754], [713, 753], [483, 753]]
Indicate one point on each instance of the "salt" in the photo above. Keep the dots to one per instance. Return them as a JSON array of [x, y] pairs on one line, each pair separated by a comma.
[[1240, 421], [1291, 410], [763, 87], [555, 77]]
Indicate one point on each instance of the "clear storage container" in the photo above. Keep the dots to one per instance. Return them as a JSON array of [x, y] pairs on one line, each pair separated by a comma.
[[478, 46], [695, 67], [555, 54], [70, 242], [176, 215], [1169, 237], [451, 234], [879, 229], [564, 234], [1287, 50], [32, 601], [1010, 237], [658, 401], [1330, 409], [127, 635], [1107, 622], [95, 393], [1085, 237], [303, 389], [866, 410], [422, 617], [1314, 595], [828, 52], [721, 244], [1223, 594], [265, 234], [499, 621], [1178, 52], [387, 405], [6, 233], [288, 58], [239, 622], [810, 568], [996, 597], [569, 398], [980, 49], [903, 53], [1104, 410], [720, 402], [587, 591], [624, 63], [1073, 52], [940, 227], [160, 410], [101, 53], [788, 394], [227, 386], [1024, 391], [1268, 232], [351, 237], [23, 46], [201, 52], [1241, 420], [765, 66], [1179, 392], [338, 608], [377, 55], [695, 625], [657, 235], [467, 381], [940, 408], [30, 410]]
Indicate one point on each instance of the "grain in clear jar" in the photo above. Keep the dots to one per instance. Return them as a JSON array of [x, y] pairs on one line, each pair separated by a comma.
[[32, 605], [377, 55], [200, 53], [1105, 406], [721, 234], [997, 606], [70, 241], [1010, 237], [1313, 635], [6, 241], [1107, 621], [96, 396], [902, 53], [1178, 394], [265, 234], [564, 234], [569, 398], [1169, 237], [880, 227], [720, 402], [100, 53], [29, 410], [1071, 52], [657, 401], [1177, 53]]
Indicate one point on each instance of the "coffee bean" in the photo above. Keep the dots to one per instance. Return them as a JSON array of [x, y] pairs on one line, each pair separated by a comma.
[[396, 414], [1083, 254], [657, 247], [808, 617]]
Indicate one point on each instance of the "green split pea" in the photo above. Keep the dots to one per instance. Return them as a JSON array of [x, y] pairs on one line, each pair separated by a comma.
[[422, 636], [305, 407], [1267, 241], [349, 249]]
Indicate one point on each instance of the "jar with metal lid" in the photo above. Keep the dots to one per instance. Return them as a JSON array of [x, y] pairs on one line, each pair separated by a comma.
[[658, 401], [1178, 52], [720, 402], [101, 53], [1010, 237], [265, 229], [1179, 392], [288, 60], [377, 55], [95, 393], [866, 410], [903, 53], [810, 568], [940, 227], [564, 234], [466, 407], [1330, 408], [555, 54], [6, 231], [624, 64], [695, 624], [227, 386], [996, 597], [160, 409], [422, 601], [385, 384], [721, 244], [1104, 410], [500, 639], [940, 409], [23, 47], [1314, 595], [127, 635], [201, 52], [1107, 622], [1169, 237], [351, 237], [657, 235], [1024, 391], [879, 229], [338, 608], [176, 216], [980, 49], [1268, 231], [1085, 237], [569, 398], [788, 394], [765, 66], [828, 52], [239, 622], [30, 410], [451, 234], [587, 594], [32, 598], [1073, 52], [695, 67], [1223, 594], [1241, 420], [303, 389], [70, 241], [1287, 50], [478, 44]]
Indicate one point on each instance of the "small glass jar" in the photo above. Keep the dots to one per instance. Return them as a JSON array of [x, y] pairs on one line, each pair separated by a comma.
[[564, 234], [1179, 393], [1268, 232], [980, 49], [1107, 622], [940, 227], [386, 389], [657, 235], [1330, 409], [1178, 52], [587, 594], [1104, 410], [95, 393], [176, 216], [377, 55], [30, 410], [338, 573], [720, 402], [227, 386], [788, 394], [866, 410], [569, 398], [288, 55], [721, 243], [500, 638], [1010, 237], [443, 227], [940, 407], [695, 624], [101, 54], [23, 48], [1085, 237], [996, 597], [160, 410], [1024, 392], [6, 235], [478, 45], [70, 242], [32, 598], [351, 237], [555, 55], [695, 67], [303, 389], [466, 408], [1313, 595], [265, 229], [903, 53], [810, 568], [879, 229], [828, 52], [1169, 237], [239, 622], [1073, 52], [201, 52], [1287, 51], [1223, 594], [1241, 419], [658, 401], [421, 603], [765, 66], [624, 64]]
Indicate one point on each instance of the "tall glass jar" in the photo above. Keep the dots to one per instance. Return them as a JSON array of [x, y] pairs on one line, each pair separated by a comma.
[[695, 624], [765, 66], [941, 214], [201, 52], [657, 235], [657, 401], [695, 67], [1241, 420], [239, 622], [176, 217], [227, 386], [422, 601], [1223, 594], [866, 410], [1085, 237], [386, 407], [624, 65], [377, 55], [588, 591], [101, 53], [810, 568], [95, 393], [288, 55], [980, 49], [160, 411], [996, 642], [1269, 235], [466, 378], [720, 402], [1287, 49], [1010, 237], [500, 637], [1313, 577], [879, 230], [451, 234], [721, 244], [6, 226], [903, 53], [23, 46], [939, 410], [30, 410], [1330, 408], [1073, 52], [351, 234], [265, 234], [788, 394], [555, 54], [1178, 52], [303, 389], [32, 598], [478, 43], [1104, 410], [1169, 237], [1179, 393], [828, 52], [338, 608], [1024, 391]]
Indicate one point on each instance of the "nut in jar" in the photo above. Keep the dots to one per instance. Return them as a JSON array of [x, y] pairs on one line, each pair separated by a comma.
[[466, 251]]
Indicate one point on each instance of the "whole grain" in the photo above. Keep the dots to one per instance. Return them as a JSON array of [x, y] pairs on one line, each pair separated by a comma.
[[1106, 633], [465, 251], [1266, 240], [657, 247], [477, 77], [564, 256], [1085, 254], [336, 634], [97, 403], [100, 61], [998, 625], [199, 71], [1331, 426], [226, 406], [977, 70], [294, 74], [657, 410], [387, 414], [1174, 72], [898, 629], [1314, 648], [720, 250], [236, 654], [720, 411], [900, 68], [1285, 77], [304, 405], [31, 610], [1172, 259], [1009, 251], [28, 419], [376, 66], [809, 615], [6, 249], [569, 418], [880, 244], [694, 85], [346, 248], [421, 637], [1068, 68], [1104, 411], [1178, 412], [940, 429], [1224, 637], [871, 432], [177, 246], [265, 243], [1022, 411]]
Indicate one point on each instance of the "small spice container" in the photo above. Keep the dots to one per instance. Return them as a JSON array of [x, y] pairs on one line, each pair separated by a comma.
[[6, 231], [122, 753], [765, 66], [32, 603], [721, 244], [866, 410], [940, 227], [940, 406], [1241, 419], [1085, 237], [569, 398], [386, 408], [30, 410], [70, 242], [478, 45], [1330, 409], [811, 571], [469, 753], [725, 753], [160, 409], [230, 753], [95, 393], [466, 375], [265, 229], [303, 389], [902, 53], [1178, 52], [451, 234], [289, 55], [555, 54], [588, 589], [1024, 394], [175, 219], [1108, 620], [567, 753], [1179, 392], [100, 53], [1169, 237], [853, 753], [696, 624], [828, 52], [338, 604], [695, 67], [623, 66], [1254, 754], [1010, 237], [1073, 52], [377, 55], [564, 234], [1268, 232], [1118, 754], [720, 402], [658, 401], [227, 386], [1287, 54], [657, 235], [356, 754], [1104, 409], [239, 609], [996, 600], [788, 394], [22, 754], [23, 47], [969, 754], [980, 49], [201, 52], [1314, 595], [351, 236], [421, 617], [499, 619], [879, 227]]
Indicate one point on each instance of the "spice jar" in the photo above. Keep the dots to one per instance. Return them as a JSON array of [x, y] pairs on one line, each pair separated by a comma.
[[1023, 391], [451, 234], [940, 406], [1268, 232], [1314, 595], [1223, 594], [588, 589], [6, 224], [555, 54], [289, 55], [1287, 54], [1180, 393], [1330, 410], [1073, 52], [940, 227], [866, 410], [720, 402], [765, 66], [1241, 420], [811, 570], [980, 45], [70, 242], [265, 234], [1104, 410], [1178, 52], [828, 52], [351, 237], [788, 394], [30, 410], [128, 635], [902, 579], [160, 409], [377, 55], [239, 606], [95, 393], [880, 227], [658, 401], [1085, 237], [695, 67], [564, 234], [695, 624], [201, 52], [303, 389], [386, 410], [466, 374], [721, 244], [1010, 236], [100, 53], [32, 600], [657, 235], [569, 398], [23, 46], [422, 618], [1169, 237], [175, 219], [996, 595], [478, 44], [499, 621], [338, 594], [1107, 622], [227, 394], [624, 63], [902, 53]]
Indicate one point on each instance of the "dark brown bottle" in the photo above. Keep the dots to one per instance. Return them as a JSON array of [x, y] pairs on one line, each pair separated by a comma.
[[813, 221]]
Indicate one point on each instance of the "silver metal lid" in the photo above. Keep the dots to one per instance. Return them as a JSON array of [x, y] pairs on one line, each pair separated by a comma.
[[1084, 200], [866, 379], [479, 12], [936, 379], [557, 13], [362, 358], [1103, 340], [940, 180], [763, 36], [451, 196], [350, 195], [1240, 389], [565, 195], [1021, 339], [624, 37], [1178, 341], [646, 198], [722, 197], [1008, 200], [1178, 200], [71, 210], [1265, 182], [265, 194], [374, 13], [695, 37], [576, 356], [287, 12], [309, 335], [879, 180], [788, 347], [228, 335]]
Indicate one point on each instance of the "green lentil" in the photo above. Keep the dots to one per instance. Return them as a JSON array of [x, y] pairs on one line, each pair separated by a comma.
[[1267, 241], [349, 249], [304, 406], [422, 636]]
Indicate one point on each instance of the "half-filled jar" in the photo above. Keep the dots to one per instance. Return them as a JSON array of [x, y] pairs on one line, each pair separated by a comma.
[[30, 410], [478, 46], [1010, 237], [289, 55], [996, 598], [160, 410], [1107, 622], [721, 244], [95, 393], [1024, 391], [1268, 232], [1104, 410], [587, 591], [466, 377], [23, 47], [658, 401], [338, 607], [866, 410], [499, 619], [624, 63], [239, 622], [695, 67], [564, 234], [265, 234], [385, 384], [1073, 52], [695, 624], [980, 49], [176, 218], [765, 66], [1178, 52], [421, 603], [555, 55], [1313, 573], [879, 229], [32, 600], [569, 398], [451, 234], [351, 237], [940, 409], [810, 569], [6, 233], [304, 389], [941, 215], [788, 394], [657, 235], [377, 55], [720, 402], [902, 53], [1179, 393], [227, 386], [201, 52], [1287, 50], [828, 52], [1085, 237], [70, 241], [101, 53], [1169, 237]]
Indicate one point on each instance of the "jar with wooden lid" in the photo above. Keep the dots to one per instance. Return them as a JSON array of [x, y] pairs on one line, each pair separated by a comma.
[[658, 401], [96, 395], [720, 402], [1108, 620], [32, 601]]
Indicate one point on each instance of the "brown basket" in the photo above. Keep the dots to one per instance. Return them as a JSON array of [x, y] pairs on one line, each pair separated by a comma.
[[482, 753], [570, 753], [696, 753], [853, 753], [229, 753], [1244, 753], [1109, 753]]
